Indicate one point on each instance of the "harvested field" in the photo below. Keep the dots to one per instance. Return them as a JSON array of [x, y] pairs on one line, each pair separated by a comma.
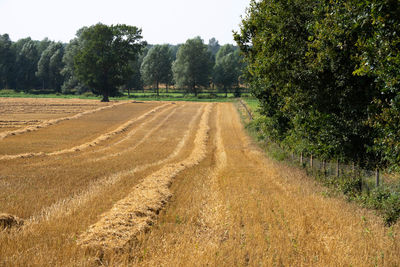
[[165, 184]]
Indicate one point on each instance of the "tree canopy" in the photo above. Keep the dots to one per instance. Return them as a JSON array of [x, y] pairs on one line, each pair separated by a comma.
[[102, 62], [326, 75], [227, 68], [193, 64], [157, 66]]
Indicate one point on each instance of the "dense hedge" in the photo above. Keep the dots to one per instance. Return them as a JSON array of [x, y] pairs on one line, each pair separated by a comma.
[[327, 76]]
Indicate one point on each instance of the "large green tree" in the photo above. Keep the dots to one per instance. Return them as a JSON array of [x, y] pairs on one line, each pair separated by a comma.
[[228, 68], [157, 66], [135, 80], [50, 65], [27, 57], [378, 58], [102, 61], [7, 61], [72, 84], [301, 57], [193, 65]]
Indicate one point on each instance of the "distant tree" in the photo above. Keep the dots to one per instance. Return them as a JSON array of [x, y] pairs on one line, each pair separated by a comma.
[[102, 61], [50, 66], [71, 81], [27, 57], [7, 61], [43, 44], [156, 66], [135, 80], [213, 46], [174, 51], [228, 68], [193, 64]]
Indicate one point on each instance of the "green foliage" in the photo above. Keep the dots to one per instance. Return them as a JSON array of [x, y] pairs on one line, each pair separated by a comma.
[[50, 65], [7, 60], [193, 64], [213, 47], [71, 82], [228, 67], [26, 64], [326, 75], [102, 62], [386, 200], [157, 66]]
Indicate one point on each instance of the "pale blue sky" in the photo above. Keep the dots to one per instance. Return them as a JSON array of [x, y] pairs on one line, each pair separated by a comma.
[[162, 21]]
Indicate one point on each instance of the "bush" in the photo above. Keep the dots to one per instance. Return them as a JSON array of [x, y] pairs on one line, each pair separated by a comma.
[[7, 92], [88, 94], [350, 186], [386, 200]]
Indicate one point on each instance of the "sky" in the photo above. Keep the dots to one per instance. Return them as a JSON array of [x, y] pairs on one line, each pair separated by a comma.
[[161, 21]]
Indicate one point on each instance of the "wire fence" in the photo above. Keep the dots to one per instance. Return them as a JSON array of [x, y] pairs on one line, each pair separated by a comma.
[[336, 169]]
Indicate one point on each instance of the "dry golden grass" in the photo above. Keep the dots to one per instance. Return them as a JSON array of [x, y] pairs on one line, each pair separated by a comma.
[[180, 186], [18, 116]]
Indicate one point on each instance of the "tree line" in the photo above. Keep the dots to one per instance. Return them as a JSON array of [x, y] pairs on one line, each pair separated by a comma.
[[327, 76], [107, 59]]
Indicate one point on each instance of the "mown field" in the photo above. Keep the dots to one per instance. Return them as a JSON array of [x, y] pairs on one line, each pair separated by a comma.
[[165, 184]]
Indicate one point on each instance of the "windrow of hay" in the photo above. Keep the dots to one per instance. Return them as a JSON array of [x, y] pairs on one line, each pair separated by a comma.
[[148, 134], [18, 123], [47, 123], [66, 206], [86, 145], [134, 130], [138, 211], [213, 213]]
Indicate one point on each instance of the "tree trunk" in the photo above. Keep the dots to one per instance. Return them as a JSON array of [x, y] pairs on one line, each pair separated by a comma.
[[166, 88], [129, 93], [226, 91], [194, 89], [158, 91], [377, 182], [105, 96]]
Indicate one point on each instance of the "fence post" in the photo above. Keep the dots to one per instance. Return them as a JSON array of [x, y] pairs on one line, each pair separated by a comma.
[[311, 161], [377, 177], [337, 168], [301, 158], [324, 166]]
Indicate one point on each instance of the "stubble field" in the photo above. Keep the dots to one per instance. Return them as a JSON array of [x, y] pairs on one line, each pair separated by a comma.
[[165, 184]]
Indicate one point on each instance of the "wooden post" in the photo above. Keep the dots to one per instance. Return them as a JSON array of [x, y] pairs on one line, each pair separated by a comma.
[[324, 166], [311, 161], [292, 156], [377, 177], [337, 168], [301, 158]]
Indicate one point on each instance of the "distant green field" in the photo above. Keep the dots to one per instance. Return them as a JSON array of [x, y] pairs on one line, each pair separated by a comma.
[[147, 96], [253, 104]]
